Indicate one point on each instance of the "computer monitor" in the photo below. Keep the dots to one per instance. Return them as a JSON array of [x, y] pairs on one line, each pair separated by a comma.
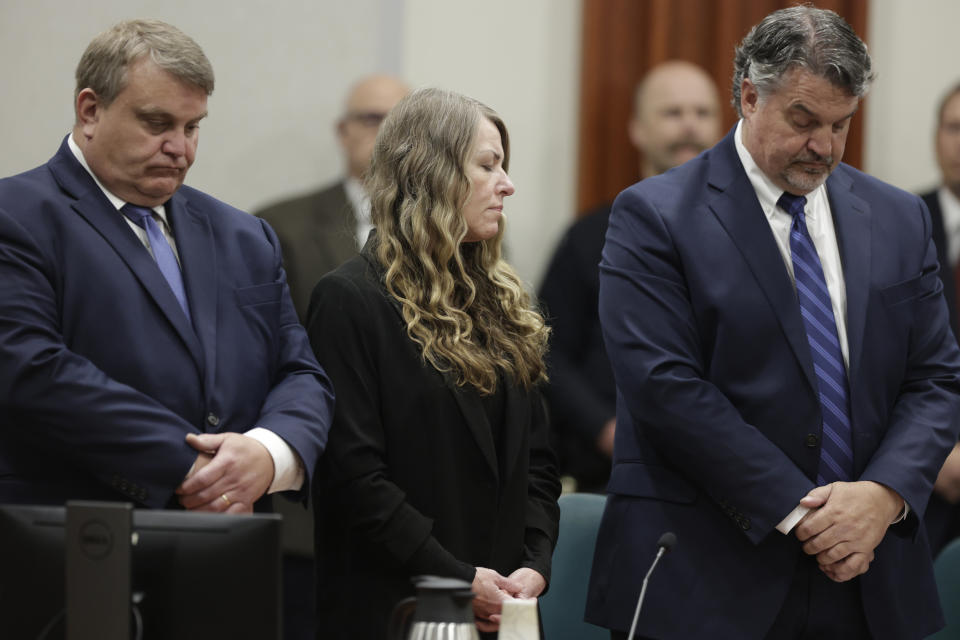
[[193, 575]]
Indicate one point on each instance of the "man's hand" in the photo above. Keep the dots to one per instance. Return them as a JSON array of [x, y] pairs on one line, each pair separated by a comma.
[[231, 465], [491, 589], [947, 485], [848, 568], [847, 522], [531, 583]]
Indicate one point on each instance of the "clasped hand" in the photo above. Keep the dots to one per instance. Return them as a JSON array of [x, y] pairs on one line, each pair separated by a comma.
[[230, 473], [846, 522], [491, 589]]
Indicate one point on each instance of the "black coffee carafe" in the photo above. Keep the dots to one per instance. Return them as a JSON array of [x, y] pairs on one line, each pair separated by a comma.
[[441, 610]]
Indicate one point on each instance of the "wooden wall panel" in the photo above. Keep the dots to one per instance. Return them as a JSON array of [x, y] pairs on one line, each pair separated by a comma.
[[622, 39]]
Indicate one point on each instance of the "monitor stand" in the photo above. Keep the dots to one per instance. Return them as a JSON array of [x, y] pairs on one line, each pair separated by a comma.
[[98, 570]]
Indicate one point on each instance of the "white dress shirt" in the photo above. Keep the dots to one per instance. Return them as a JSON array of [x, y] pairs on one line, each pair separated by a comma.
[[360, 202], [287, 468]]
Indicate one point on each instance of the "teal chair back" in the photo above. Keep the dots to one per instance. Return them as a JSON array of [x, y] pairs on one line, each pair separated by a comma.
[[946, 568], [563, 605]]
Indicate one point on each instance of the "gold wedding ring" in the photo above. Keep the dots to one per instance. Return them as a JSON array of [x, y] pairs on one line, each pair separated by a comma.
[[224, 497]]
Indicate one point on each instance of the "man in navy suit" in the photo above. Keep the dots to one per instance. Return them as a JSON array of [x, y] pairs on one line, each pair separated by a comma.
[[149, 350], [788, 385]]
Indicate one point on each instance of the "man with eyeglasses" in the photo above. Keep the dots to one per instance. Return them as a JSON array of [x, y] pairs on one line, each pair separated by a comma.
[[320, 230]]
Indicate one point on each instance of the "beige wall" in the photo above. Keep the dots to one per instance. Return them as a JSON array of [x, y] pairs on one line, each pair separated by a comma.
[[916, 52], [283, 67]]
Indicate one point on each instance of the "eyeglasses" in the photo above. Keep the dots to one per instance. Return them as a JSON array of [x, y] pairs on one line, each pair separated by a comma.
[[366, 118]]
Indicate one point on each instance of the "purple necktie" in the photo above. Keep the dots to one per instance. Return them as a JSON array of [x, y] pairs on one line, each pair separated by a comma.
[[836, 451], [162, 252]]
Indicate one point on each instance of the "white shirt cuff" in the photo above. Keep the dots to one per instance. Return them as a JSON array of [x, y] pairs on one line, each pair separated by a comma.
[[287, 468], [903, 514], [787, 524]]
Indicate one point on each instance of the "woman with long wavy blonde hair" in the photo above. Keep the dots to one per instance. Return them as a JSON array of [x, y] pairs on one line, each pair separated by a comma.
[[438, 461]]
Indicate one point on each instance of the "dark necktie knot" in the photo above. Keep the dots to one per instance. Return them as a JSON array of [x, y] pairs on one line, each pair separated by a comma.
[[792, 204], [137, 215]]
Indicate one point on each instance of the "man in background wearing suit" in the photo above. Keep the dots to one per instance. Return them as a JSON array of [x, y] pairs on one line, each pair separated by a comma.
[[788, 385], [676, 116], [318, 232], [321, 230], [943, 516], [149, 349]]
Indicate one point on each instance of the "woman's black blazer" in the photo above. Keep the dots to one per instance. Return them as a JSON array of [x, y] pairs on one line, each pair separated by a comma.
[[410, 482]]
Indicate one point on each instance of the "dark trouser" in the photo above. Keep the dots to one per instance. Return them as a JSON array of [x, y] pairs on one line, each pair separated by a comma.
[[819, 608], [816, 608], [299, 598]]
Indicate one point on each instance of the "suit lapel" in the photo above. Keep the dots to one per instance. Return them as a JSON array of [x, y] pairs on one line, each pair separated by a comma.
[[198, 260], [852, 221], [734, 202], [94, 207], [334, 232], [476, 418]]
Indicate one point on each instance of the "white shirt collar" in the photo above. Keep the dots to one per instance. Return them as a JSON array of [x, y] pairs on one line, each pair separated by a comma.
[[767, 192], [114, 200]]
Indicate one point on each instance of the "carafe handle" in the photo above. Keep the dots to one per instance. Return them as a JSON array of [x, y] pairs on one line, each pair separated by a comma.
[[400, 618]]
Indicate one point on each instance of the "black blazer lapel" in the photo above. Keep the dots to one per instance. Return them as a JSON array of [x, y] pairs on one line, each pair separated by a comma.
[[852, 220], [94, 207], [735, 204], [476, 418], [198, 260]]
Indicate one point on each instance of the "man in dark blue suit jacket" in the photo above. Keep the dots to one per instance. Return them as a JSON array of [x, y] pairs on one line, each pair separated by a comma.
[[725, 398], [110, 386]]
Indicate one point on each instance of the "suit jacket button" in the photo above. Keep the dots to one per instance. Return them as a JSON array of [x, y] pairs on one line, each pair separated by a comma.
[[745, 524], [213, 419], [812, 440]]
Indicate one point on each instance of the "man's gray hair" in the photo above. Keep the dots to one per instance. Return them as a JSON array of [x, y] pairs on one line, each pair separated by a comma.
[[103, 66], [817, 40]]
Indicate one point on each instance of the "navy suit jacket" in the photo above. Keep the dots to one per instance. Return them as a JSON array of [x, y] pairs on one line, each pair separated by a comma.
[[101, 373], [717, 399]]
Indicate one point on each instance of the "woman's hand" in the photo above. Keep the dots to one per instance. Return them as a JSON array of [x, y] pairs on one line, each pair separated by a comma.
[[530, 581], [491, 589]]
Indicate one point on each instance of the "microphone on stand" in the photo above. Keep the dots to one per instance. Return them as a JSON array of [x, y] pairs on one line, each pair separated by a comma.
[[666, 543]]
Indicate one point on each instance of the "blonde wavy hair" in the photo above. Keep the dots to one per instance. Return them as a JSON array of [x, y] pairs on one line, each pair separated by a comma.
[[463, 304]]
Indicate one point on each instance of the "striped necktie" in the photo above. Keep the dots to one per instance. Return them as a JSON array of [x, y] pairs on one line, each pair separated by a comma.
[[162, 252], [836, 450]]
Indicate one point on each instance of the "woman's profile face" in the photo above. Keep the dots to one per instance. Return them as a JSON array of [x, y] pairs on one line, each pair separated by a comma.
[[489, 184]]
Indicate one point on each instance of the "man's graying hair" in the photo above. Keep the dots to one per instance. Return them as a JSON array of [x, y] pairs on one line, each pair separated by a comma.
[[103, 66], [817, 40]]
